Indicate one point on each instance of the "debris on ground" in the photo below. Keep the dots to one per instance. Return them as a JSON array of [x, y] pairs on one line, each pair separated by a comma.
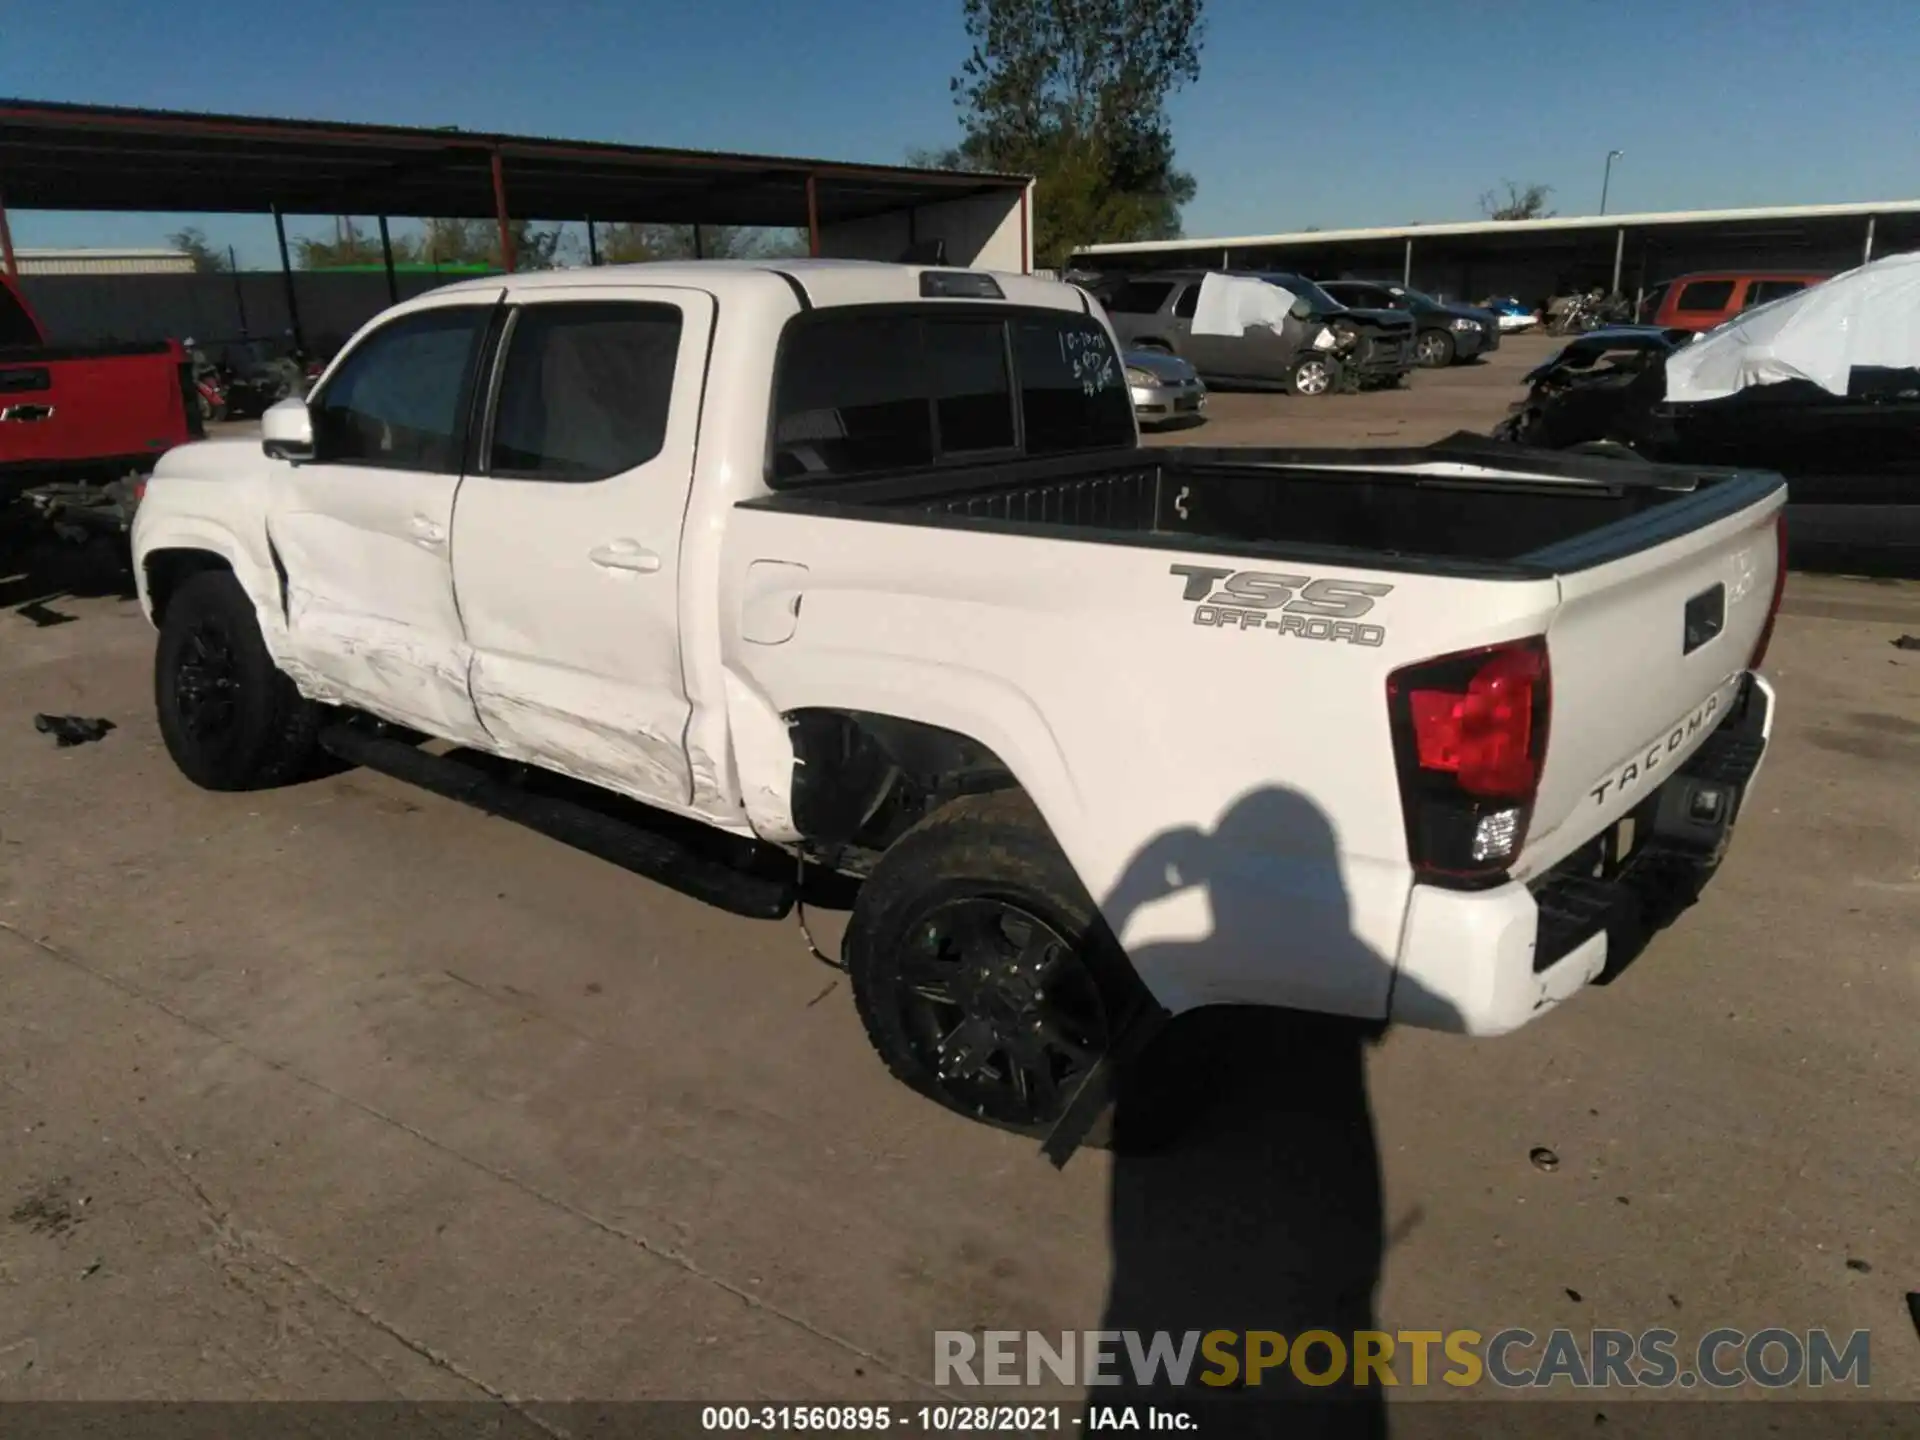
[[1543, 1158], [1907, 642], [72, 729], [1913, 1309], [1859, 1265], [46, 1211]]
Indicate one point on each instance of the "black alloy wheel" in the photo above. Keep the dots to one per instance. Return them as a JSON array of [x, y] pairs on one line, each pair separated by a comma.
[[1001, 1009]]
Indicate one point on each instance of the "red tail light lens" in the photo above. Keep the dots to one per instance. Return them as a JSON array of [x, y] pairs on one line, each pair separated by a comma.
[[1779, 589], [1470, 740], [1484, 736]]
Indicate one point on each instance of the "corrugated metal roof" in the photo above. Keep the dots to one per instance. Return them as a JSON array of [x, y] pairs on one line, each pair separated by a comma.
[[102, 260], [1644, 220]]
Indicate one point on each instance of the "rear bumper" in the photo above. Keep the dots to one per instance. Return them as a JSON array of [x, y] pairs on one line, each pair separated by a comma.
[[1485, 962]]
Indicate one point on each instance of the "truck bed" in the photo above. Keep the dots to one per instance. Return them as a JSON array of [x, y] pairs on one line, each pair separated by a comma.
[[1463, 506]]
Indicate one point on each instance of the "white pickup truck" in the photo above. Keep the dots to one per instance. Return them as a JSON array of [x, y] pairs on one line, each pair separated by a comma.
[[864, 564]]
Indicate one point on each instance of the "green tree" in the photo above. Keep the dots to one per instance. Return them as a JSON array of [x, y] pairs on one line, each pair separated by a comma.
[[1074, 93], [350, 246], [193, 240], [626, 243], [477, 242], [1520, 202]]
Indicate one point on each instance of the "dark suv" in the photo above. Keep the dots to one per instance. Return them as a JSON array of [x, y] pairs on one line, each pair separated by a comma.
[[1448, 332], [1155, 312]]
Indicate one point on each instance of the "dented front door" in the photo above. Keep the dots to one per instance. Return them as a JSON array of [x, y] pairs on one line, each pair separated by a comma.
[[362, 531], [566, 538]]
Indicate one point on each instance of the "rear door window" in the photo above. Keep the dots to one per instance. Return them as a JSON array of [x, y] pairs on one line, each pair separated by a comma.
[[1704, 296], [586, 389], [1188, 302], [1141, 297]]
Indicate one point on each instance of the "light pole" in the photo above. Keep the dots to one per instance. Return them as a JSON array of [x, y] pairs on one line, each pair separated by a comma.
[[1607, 177]]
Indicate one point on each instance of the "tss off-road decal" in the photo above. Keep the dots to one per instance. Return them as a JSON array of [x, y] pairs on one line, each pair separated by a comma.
[[1298, 605]]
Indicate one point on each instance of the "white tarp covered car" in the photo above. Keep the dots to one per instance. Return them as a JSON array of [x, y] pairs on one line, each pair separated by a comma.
[[1234, 304], [1868, 316]]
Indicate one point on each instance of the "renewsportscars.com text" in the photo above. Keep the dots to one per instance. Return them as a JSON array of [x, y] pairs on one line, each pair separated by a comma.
[[1513, 1358]]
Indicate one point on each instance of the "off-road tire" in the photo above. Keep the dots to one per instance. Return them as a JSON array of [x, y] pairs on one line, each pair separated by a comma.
[[272, 736], [984, 846]]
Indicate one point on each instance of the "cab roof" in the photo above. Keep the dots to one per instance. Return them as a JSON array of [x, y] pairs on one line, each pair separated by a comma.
[[824, 283]]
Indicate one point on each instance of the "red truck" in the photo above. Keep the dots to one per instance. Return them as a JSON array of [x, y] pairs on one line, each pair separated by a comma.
[[80, 424]]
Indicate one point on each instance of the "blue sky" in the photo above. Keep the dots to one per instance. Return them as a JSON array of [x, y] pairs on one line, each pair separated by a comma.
[[1367, 112]]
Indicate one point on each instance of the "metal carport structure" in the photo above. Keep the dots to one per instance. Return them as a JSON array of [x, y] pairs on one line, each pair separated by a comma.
[[1534, 257], [104, 158]]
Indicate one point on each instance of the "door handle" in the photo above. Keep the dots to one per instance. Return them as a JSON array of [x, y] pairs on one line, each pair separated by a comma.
[[424, 529], [27, 413], [625, 555]]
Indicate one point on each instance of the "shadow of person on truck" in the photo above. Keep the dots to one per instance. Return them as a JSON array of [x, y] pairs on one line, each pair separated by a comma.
[[1265, 1213]]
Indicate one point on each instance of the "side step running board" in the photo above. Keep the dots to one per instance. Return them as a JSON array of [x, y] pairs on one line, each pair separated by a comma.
[[631, 847]]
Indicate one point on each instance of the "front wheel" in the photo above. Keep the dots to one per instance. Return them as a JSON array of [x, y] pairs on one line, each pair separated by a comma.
[[229, 718], [1312, 375], [1434, 349], [981, 969]]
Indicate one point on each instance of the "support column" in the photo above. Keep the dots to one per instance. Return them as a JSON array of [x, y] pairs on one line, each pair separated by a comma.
[[699, 250], [239, 293], [500, 214], [1406, 265], [813, 214], [6, 243], [593, 243], [1619, 257], [1866, 253], [286, 279], [386, 255]]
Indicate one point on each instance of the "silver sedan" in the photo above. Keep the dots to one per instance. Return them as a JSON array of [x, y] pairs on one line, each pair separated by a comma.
[[1166, 389]]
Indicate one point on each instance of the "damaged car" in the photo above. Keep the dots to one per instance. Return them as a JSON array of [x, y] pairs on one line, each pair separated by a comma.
[[1822, 386], [1268, 331]]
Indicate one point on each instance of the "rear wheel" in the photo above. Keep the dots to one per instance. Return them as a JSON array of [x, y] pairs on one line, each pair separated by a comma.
[[230, 719], [1434, 349], [981, 969], [1311, 375]]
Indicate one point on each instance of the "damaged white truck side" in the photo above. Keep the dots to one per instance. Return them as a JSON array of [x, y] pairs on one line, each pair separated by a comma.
[[864, 564]]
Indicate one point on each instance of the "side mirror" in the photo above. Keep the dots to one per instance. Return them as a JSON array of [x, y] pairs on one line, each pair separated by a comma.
[[1301, 309], [286, 431]]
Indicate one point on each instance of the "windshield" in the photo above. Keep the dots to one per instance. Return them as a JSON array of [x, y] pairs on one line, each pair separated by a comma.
[[1303, 288]]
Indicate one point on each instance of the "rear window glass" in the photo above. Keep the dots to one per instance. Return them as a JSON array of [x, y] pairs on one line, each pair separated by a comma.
[[1141, 297], [1073, 393], [15, 326], [852, 397], [1761, 291], [972, 392], [1188, 302], [866, 391], [1705, 295]]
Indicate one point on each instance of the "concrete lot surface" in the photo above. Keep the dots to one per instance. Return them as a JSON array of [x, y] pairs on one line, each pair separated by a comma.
[[345, 1091]]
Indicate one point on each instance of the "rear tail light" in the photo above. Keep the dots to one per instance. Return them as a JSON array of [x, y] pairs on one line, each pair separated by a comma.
[[1470, 740], [1779, 588]]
